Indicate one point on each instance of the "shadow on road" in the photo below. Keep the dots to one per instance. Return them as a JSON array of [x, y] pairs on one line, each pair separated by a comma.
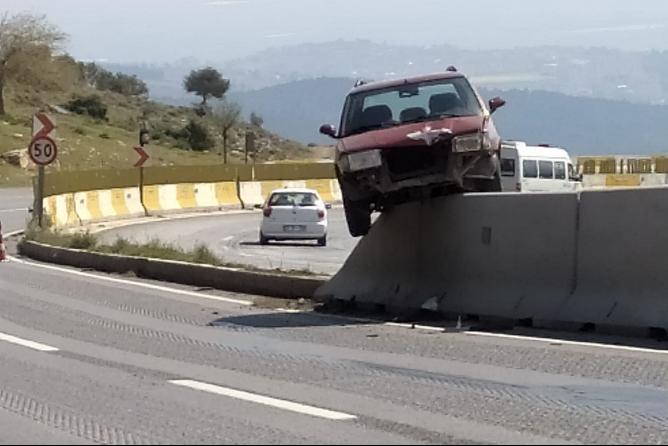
[[304, 244], [296, 320], [555, 338]]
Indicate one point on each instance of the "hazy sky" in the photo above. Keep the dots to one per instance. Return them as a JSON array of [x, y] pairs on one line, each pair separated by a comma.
[[167, 30]]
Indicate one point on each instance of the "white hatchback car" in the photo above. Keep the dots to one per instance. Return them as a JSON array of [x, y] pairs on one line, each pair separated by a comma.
[[294, 214]]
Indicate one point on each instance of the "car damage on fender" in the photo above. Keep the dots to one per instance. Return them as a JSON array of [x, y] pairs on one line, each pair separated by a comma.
[[410, 139]]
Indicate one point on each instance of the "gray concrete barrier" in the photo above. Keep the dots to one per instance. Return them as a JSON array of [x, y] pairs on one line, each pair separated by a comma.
[[507, 255], [561, 260], [622, 260]]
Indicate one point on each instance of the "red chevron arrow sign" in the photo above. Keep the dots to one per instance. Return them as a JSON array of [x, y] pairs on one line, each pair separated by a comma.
[[143, 156], [42, 126]]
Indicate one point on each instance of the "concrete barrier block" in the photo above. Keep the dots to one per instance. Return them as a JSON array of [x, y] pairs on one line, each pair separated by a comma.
[[205, 195], [226, 193], [133, 201], [251, 193], [623, 245], [168, 197], [506, 255]]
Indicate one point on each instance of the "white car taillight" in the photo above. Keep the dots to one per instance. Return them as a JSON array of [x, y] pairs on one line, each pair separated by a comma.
[[321, 214], [267, 211]]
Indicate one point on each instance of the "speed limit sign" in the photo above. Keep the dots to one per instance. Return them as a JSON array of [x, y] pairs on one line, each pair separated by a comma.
[[43, 150]]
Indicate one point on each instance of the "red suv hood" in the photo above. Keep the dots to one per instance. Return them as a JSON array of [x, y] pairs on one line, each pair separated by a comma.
[[397, 136]]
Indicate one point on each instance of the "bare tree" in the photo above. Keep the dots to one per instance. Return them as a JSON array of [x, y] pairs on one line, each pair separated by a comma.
[[21, 34], [226, 116]]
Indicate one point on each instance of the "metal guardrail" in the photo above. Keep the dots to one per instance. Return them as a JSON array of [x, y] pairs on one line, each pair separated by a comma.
[[622, 165]]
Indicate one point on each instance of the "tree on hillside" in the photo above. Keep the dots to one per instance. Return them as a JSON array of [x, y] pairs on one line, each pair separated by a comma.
[[22, 34], [207, 82], [256, 120], [104, 80], [226, 116]]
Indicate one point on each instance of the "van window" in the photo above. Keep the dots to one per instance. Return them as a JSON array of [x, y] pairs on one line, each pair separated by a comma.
[[507, 167], [560, 170], [545, 169], [530, 169]]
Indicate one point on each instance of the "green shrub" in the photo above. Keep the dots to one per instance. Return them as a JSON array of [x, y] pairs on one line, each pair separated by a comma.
[[198, 136], [202, 254], [88, 105], [82, 240]]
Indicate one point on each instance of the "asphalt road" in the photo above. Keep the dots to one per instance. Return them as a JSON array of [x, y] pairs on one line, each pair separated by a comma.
[[155, 365], [93, 358], [235, 239], [14, 204]]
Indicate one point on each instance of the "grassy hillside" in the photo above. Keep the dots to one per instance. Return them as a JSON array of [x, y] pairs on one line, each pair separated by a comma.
[[87, 143]]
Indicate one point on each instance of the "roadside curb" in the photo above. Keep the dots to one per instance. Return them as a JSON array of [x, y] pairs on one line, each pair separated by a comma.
[[227, 279]]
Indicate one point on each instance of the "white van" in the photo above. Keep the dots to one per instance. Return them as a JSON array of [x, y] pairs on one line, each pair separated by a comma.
[[536, 169]]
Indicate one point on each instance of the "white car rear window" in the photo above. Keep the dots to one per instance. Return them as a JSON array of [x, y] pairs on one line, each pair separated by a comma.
[[293, 199]]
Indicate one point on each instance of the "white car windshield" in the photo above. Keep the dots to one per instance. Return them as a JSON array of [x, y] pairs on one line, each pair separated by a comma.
[[293, 199]]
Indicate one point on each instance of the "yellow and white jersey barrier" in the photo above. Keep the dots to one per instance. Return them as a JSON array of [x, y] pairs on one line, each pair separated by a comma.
[[61, 211], [73, 209], [108, 204], [177, 197], [256, 192]]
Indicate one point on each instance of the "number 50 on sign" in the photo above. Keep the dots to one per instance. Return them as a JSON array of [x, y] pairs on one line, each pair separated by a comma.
[[43, 150]]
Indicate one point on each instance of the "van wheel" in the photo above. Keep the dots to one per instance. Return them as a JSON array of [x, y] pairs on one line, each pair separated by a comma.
[[322, 241], [263, 240], [358, 217]]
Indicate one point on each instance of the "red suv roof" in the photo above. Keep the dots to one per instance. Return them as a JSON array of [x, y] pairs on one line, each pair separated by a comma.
[[407, 80]]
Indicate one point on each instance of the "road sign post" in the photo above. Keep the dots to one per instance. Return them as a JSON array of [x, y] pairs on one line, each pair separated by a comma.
[[144, 138], [43, 151]]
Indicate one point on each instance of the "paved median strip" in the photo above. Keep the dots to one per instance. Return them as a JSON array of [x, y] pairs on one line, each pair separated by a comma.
[[25, 343], [264, 400]]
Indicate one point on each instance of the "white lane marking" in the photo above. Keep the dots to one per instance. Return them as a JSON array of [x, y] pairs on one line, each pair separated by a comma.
[[566, 342], [552, 341], [228, 238], [14, 210], [137, 284], [25, 343], [264, 400]]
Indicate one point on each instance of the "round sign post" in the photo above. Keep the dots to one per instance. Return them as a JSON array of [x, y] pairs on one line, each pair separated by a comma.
[[43, 150]]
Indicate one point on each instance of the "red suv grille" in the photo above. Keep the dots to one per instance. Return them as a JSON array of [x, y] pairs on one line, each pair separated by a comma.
[[412, 162]]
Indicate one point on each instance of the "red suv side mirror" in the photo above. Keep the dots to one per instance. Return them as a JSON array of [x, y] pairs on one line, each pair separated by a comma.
[[329, 130], [495, 104]]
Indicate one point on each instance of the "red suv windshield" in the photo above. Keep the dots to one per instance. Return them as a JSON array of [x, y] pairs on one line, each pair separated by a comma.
[[374, 109]]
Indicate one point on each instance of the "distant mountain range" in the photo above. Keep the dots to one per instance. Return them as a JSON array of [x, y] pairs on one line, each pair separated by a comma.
[[583, 125], [590, 72], [591, 100]]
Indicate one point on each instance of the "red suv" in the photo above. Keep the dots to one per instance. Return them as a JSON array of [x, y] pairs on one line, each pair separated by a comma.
[[411, 139]]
